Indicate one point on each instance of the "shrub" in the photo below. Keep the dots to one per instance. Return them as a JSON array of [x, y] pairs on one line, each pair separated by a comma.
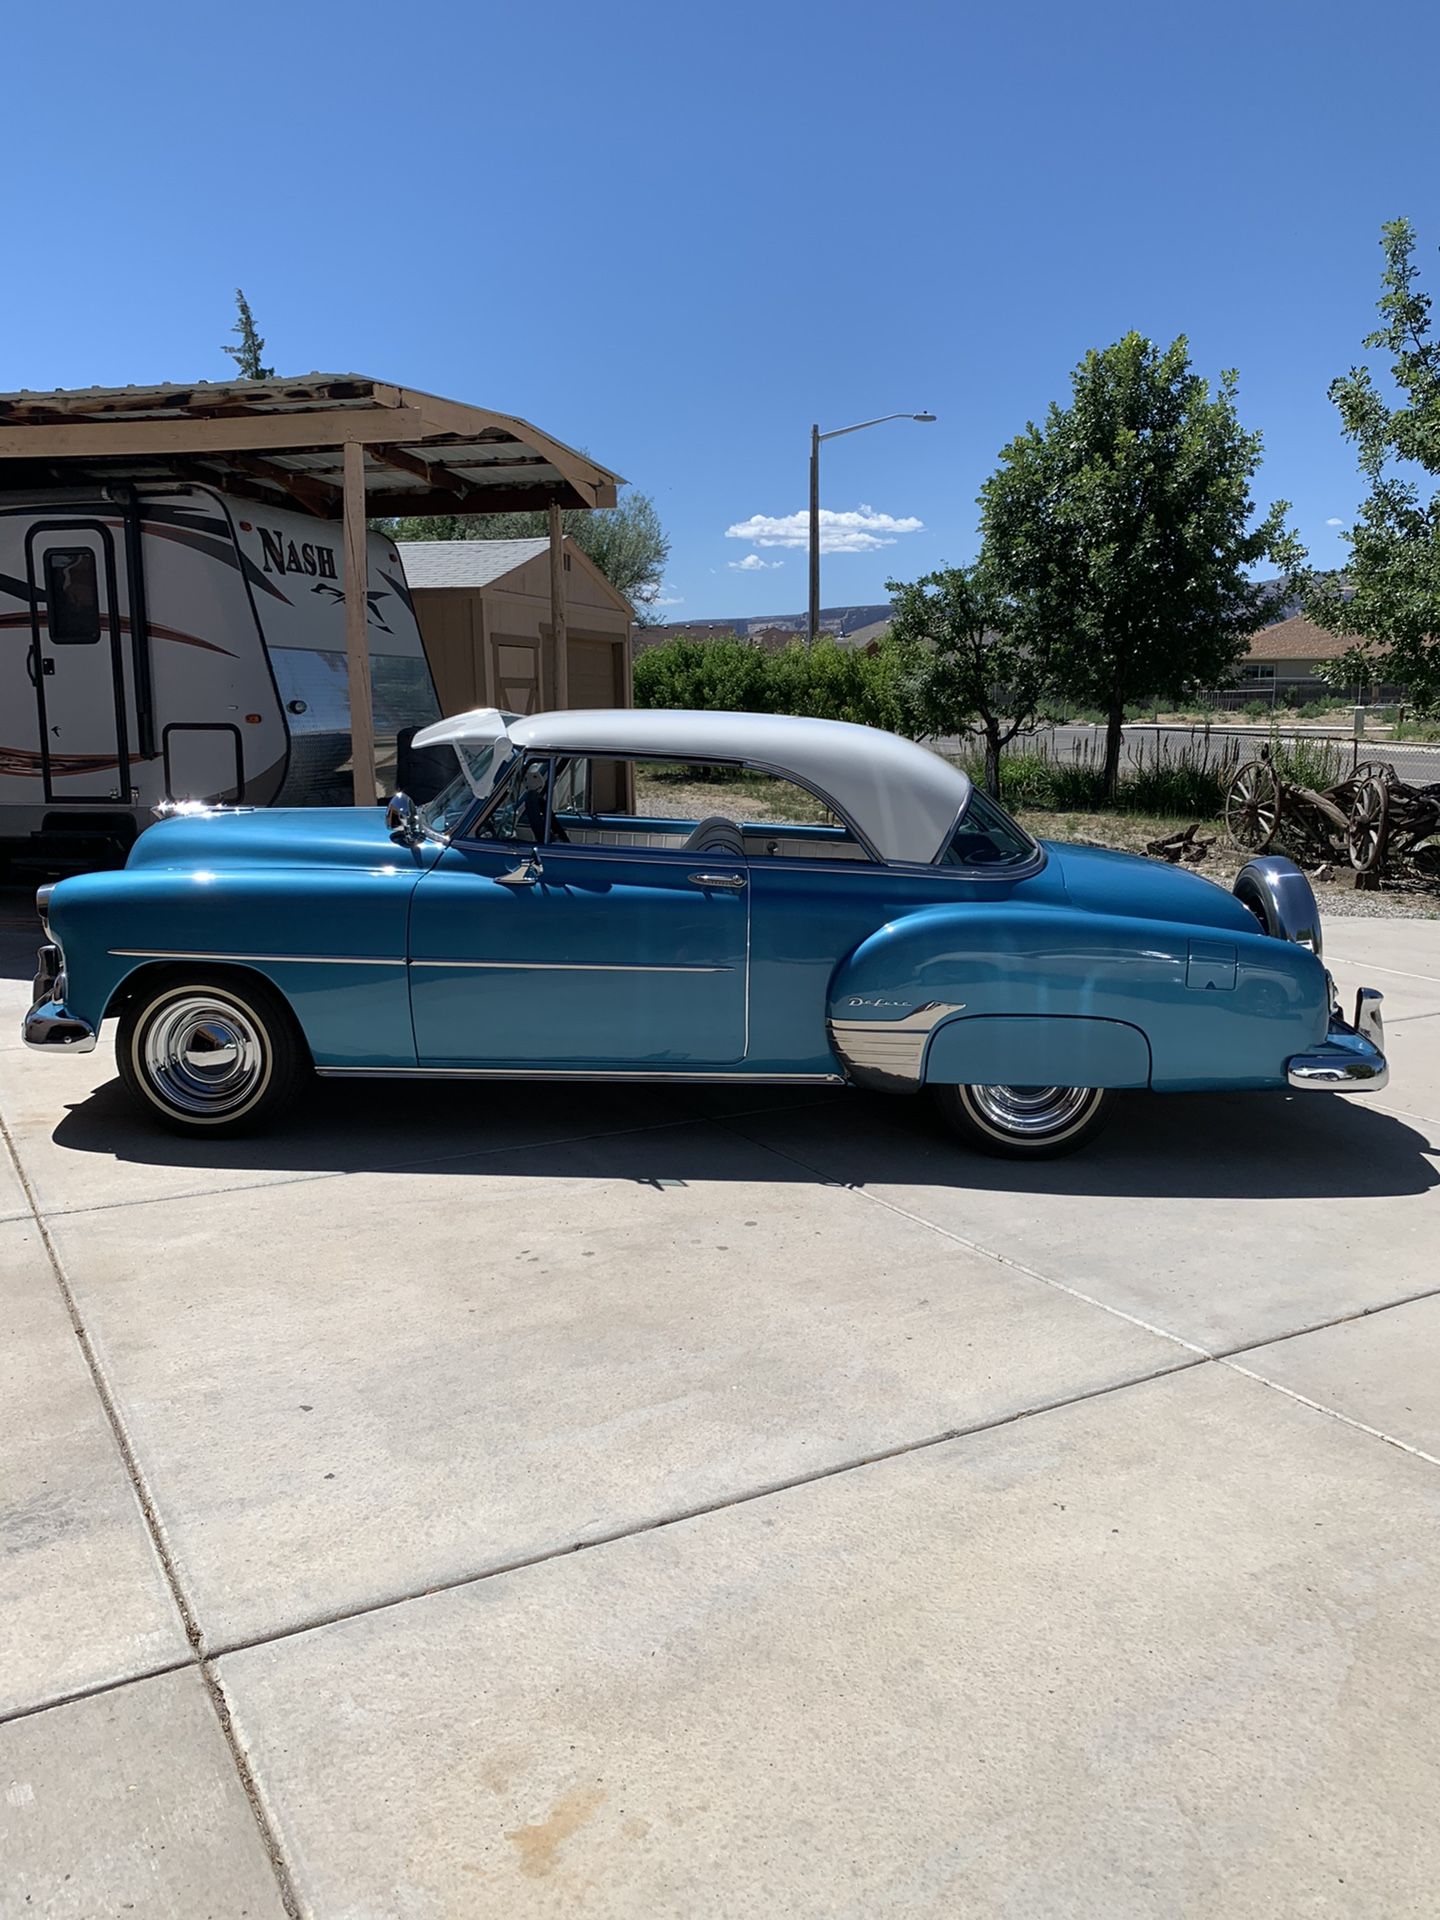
[[1310, 763]]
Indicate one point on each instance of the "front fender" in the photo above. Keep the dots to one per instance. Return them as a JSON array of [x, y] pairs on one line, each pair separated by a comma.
[[1213, 1007], [334, 944]]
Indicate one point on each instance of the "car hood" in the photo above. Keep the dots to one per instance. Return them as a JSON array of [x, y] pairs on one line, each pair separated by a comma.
[[1141, 889], [276, 837]]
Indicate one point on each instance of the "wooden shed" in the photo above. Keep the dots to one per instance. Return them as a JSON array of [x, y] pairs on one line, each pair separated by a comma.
[[484, 608]]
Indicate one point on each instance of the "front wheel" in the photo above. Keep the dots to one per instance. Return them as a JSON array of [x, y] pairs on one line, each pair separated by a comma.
[[1026, 1123], [212, 1056]]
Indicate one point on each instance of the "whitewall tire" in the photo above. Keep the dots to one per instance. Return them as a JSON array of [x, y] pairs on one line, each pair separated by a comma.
[[210, 1054], [1026, 1123]]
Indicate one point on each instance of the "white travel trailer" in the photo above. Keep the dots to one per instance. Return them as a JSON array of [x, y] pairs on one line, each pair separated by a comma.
[[163, 641]]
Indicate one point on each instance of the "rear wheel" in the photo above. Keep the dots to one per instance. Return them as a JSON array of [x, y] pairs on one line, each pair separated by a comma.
[[1026, 1123], [210, 1055]]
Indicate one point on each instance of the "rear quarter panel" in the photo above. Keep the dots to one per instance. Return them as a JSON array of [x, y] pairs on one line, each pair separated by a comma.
[[1217, 1008]]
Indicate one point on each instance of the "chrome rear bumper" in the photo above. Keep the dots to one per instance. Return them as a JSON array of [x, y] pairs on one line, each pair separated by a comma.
[[50, 1023], [1349, 1059]]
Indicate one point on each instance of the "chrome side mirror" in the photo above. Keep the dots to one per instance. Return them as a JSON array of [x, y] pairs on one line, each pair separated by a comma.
[[402, 820]]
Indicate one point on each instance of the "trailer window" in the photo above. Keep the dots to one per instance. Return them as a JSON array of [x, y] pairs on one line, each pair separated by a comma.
[[72, 596]]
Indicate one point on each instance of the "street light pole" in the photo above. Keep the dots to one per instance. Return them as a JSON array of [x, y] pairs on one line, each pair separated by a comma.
[[816, 436], [815, 531]]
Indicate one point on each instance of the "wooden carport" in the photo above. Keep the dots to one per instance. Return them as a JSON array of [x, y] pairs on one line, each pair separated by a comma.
[[339, 446]]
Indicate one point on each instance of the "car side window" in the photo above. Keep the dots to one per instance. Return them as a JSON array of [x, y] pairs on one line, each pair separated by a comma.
[[678, 804], [518, 811], [986, 836]]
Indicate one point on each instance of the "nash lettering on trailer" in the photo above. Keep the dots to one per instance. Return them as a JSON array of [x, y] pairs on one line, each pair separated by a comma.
[[283, 556]]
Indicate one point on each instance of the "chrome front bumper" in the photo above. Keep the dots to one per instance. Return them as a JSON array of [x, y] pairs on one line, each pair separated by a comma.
[[50, 1023], [1350, 1059]]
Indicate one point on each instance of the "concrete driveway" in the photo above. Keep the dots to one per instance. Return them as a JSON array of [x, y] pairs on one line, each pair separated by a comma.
[[957, 1539]]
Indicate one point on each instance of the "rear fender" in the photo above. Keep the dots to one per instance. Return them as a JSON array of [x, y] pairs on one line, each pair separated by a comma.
[[984, 994]]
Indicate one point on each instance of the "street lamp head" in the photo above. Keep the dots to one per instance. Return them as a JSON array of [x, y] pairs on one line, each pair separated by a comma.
[[922, 416]]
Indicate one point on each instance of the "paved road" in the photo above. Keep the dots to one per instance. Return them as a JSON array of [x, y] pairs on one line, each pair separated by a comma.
[[958, 1537]]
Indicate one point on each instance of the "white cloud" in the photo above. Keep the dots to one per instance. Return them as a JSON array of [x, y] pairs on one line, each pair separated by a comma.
[[1334, 523], [667, 599], [752, 563], [860, 531]]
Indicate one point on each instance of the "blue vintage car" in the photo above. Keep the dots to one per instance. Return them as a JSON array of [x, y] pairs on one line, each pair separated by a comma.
[[710, 897]]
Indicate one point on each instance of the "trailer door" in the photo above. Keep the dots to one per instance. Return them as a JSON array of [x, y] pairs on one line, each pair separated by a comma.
[[77, 661]]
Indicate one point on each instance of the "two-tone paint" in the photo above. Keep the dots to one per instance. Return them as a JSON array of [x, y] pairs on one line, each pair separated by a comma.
[[1089, 969]]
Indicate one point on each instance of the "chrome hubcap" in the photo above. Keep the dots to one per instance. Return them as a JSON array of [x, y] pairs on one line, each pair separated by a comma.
[[1030, 1111], [204, 1056]]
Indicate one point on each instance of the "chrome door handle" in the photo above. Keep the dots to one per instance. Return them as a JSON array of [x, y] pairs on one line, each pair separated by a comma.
[[733, 882], [523, 875]]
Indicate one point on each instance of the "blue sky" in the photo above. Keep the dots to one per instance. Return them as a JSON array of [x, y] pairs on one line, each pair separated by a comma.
[[676, 234]]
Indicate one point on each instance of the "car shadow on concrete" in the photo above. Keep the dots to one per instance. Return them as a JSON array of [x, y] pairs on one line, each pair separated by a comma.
[[1184, 1146]]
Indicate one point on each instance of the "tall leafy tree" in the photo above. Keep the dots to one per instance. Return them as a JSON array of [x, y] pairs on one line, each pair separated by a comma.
[[249, 355], [1394, 572], [969, 673], [626, 541], [1122, 533]]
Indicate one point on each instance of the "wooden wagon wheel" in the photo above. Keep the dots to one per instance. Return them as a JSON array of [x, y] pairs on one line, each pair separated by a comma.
[[1252, 806], [1369, 825]]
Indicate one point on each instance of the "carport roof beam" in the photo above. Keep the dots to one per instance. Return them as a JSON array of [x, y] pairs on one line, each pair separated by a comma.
[[284, 440]]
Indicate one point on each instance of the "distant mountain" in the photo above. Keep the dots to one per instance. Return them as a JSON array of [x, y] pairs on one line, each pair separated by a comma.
[[842, 622]]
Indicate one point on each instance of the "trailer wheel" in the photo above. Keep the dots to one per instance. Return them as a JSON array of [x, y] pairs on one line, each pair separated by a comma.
[[211, 1054]]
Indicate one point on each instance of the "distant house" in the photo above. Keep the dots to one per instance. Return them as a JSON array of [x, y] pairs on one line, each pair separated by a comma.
[[1281, 662]]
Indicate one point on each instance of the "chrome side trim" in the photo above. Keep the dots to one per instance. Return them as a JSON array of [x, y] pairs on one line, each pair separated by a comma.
[[568, 966], [582, 1073], [289, 959], [884, 1053]]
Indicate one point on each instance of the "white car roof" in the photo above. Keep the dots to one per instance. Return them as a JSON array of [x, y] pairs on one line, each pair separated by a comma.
[[903, 798]]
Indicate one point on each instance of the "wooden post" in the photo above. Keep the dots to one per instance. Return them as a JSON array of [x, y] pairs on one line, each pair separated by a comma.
[[559, 635], [357, 628]]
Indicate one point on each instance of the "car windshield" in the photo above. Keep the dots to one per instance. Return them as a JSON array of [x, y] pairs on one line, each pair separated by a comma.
[[443, 814], [986, 836]]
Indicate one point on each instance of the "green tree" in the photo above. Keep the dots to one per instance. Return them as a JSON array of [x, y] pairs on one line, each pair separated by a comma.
[[249, 354], [818, 678], [626, 541], [721, 674], [970, 675], [1121, 535], [1394, 568]]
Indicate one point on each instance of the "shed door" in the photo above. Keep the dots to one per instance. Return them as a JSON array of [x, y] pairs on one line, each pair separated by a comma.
[[77, 661], [517, 675], [594, 673]]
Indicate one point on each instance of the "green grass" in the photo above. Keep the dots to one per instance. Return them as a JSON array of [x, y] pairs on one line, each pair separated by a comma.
[[1190, 782]]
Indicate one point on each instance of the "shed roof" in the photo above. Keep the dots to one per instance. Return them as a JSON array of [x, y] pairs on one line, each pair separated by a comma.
[[283, 441], [465, 563]]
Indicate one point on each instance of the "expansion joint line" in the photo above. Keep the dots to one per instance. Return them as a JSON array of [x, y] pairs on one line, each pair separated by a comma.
[[1228, 1358], [144, 1499]]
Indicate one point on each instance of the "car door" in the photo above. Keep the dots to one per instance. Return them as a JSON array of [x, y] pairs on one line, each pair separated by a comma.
[[579, 958]]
